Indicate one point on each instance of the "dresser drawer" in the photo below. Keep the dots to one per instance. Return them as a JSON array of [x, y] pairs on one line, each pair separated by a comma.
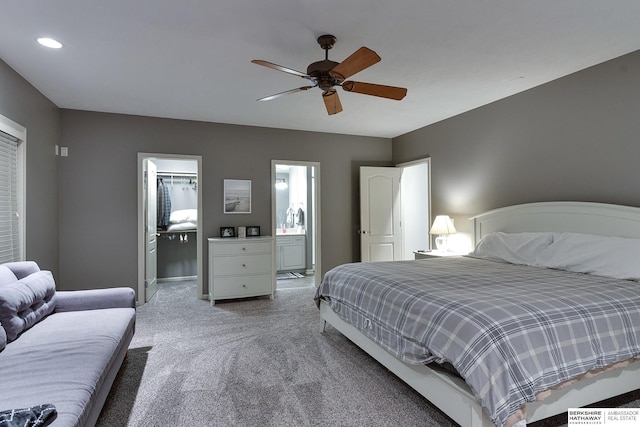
[[240, 265], [242, 286], [242, 248]]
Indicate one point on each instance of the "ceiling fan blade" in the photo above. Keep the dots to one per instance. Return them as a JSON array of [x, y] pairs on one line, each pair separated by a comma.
[[332, 102], [358, 61], [390, 92], [281, 68], [278, 95]]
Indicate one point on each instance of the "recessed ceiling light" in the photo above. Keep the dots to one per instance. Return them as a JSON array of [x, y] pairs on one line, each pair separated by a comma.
[[49, 42]]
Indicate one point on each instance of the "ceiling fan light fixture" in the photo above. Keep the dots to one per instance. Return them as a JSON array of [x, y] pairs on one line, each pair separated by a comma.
[[327, 75]]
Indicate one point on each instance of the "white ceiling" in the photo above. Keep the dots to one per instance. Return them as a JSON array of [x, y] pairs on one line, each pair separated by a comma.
[[190, 59]]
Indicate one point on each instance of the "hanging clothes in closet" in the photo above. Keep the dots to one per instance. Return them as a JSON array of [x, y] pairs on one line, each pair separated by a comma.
[[164, 205]]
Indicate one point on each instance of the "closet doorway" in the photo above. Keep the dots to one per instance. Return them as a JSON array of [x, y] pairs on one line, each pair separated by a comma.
[[295, 214], [169, 225]]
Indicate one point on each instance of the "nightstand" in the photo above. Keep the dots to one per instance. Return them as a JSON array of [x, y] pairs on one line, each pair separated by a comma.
[[435, 254]]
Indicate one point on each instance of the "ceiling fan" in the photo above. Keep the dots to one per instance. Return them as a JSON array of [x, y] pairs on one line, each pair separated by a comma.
[[328, 74]]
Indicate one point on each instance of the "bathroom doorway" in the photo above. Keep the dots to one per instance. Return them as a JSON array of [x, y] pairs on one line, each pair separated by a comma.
[[295, 213]]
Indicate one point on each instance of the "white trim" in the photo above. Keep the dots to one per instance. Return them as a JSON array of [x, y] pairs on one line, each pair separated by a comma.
[[18, 131], [141, 246], [12, 128]]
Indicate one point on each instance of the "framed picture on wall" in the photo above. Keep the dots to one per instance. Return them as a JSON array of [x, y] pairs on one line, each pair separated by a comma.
[[237, 196], [253, 231], [227, 232]]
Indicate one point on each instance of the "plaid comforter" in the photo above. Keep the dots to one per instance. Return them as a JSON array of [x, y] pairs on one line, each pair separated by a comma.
[[510, 331]]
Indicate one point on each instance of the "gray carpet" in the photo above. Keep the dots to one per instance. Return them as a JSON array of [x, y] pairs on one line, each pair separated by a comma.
[[257, 362]]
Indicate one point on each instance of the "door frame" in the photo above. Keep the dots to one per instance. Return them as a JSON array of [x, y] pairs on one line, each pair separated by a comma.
[[316, 214], [140, 294]]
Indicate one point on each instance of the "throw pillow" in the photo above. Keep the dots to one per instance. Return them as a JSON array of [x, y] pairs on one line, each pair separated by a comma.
[[26, 302], [6, 275], [22, 268], [35, 416], [3, 338]]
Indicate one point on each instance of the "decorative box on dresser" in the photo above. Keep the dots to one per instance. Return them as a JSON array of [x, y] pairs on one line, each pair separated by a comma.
[[241, 267]]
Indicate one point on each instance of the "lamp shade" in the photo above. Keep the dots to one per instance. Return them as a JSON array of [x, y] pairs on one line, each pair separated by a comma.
[[442, 225]]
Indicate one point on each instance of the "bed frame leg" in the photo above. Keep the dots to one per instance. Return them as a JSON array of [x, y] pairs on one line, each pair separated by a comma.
[[323, 326]]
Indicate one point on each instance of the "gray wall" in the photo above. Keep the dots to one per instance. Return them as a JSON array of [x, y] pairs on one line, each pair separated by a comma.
[[572, 139], [577, 138], [98, 197], [22, 103]]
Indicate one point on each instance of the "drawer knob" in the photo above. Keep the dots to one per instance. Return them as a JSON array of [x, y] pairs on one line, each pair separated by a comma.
[[244, 265], [244, 286], [244, 249]]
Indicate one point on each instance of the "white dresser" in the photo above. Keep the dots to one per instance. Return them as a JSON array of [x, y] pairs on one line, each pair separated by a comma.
[[241, 267]]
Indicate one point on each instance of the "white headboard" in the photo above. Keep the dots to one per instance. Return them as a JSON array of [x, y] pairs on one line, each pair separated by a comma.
[[577, 217]]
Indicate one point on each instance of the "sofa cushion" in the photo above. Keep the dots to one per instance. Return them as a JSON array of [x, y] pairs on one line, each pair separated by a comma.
[[25, 302], [64, 361]]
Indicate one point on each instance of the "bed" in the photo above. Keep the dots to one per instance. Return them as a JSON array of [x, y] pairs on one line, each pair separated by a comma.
[[549, 298]]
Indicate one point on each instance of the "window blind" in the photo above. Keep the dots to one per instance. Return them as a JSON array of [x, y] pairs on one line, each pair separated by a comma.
[[9, 222]]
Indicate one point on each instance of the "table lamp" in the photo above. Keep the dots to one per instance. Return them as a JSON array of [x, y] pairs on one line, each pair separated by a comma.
[[442, 226]]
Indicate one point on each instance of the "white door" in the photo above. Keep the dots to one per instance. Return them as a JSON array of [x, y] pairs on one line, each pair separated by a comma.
[[380, 232], [151, 229]]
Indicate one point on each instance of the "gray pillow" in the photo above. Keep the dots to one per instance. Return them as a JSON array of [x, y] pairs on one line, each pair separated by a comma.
[[22, 268], [3, 338], [26, 302], [6, 275]]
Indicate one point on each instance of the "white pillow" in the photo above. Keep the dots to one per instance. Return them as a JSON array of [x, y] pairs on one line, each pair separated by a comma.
[[182, 226], [608, 256], [516, 248], [183, 215]]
